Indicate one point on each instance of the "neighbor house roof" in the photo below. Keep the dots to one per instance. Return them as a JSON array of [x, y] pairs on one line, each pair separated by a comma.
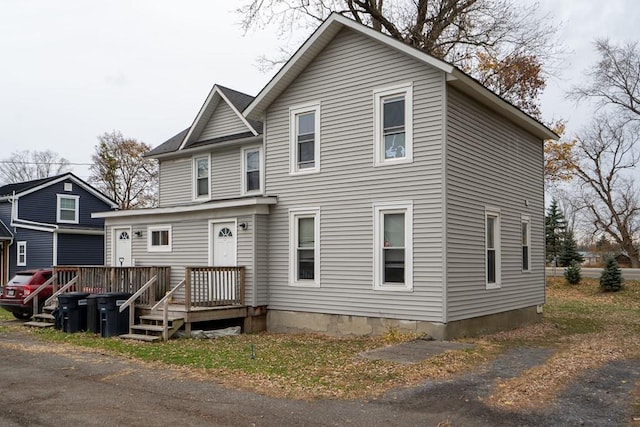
[[5, 233], [19, 187], [335, 23]]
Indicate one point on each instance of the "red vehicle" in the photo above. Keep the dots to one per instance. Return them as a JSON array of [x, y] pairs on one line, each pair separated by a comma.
[[20, 287]]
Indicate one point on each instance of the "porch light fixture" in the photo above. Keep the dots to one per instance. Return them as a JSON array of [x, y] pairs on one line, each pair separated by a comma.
[[138, 233], [243, 225]]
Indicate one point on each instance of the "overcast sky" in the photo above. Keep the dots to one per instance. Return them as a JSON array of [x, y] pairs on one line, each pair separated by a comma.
[[72, 70]]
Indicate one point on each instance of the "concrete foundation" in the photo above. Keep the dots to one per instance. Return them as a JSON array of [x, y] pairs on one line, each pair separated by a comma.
[[280, 321]]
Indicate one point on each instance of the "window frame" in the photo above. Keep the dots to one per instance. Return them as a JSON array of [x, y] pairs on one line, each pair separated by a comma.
[[159, 228], [294, 216], [497, 247], [243, 161], [195, 178], [294, 112], [379, 96], [21, 245], [76, 199], [525, 220], [379, 210]]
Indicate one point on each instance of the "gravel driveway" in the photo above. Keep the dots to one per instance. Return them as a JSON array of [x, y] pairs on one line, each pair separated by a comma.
[[48, 384]]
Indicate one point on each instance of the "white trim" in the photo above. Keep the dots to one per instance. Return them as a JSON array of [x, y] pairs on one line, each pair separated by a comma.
[[114, 238], [243, 163], [54, 258], [294, 112], [445, 198], [237, 203], [379, 95], [526, 219], [159, 248], [494, 213], [21, 244], [194, 176], [59, 197], [210, 237], [238, 113], [379, 209], [294, 215], [68, 186]]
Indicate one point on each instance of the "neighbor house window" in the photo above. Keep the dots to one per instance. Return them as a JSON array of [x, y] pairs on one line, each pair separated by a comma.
[[304, 252], [393, 122], [21, 254], [305, 138], [492, 243], [525, 226], [159, 238], [201, 177], [252, 180], [68, 208], [393, 246]]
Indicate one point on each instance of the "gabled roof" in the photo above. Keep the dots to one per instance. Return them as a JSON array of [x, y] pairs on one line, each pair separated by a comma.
[[336, 22], [5, 233], [27, 187], [172, 144]]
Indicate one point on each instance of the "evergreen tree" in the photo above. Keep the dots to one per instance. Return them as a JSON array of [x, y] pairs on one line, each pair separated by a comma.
[[569, 251], [611, 278], [555, 226], [572, 273]]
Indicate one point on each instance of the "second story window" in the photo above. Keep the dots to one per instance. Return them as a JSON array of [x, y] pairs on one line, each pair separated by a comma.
[[68, 207], [393, 124], [252, 181], [305, 139], [201, 177]]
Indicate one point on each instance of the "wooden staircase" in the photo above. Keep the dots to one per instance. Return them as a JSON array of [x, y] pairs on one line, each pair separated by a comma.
[[44, 319], [151, 327]]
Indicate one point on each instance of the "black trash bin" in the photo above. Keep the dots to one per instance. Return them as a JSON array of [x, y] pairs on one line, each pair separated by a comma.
[[93, 314], [112, 322], [73, 311]]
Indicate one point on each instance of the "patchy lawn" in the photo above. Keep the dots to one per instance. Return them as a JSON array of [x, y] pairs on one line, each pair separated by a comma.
[[584, 327]]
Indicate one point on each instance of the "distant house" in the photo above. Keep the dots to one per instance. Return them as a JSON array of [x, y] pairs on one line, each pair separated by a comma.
[[47, 222], [369, 185]]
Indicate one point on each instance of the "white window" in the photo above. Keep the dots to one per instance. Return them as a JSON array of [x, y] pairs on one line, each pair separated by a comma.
[[492, 246], [393, 122], [68, 209], [304, 248], [525, 226], [252, 170], [201, 176], [393, 246], [21, 254], [305, 138], [159, 238]]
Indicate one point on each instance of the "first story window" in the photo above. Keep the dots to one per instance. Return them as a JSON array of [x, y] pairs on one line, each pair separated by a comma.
[[393, 122], [68, 208], [304, 249], [393, 234], [525, 226], [201, 177], [159, 238], [252, 161], [21, 254], [305, 138], [492, 247]]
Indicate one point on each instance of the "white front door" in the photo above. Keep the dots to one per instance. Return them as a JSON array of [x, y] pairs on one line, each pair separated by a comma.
[[224, 244], [122, 247]]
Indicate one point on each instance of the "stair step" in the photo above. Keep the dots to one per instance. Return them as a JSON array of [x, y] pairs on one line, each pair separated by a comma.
[[150, 328], [160, 318], [44, 316], [39, 324], [140, 337]]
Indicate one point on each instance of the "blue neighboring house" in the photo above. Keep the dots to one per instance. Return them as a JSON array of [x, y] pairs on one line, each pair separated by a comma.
[[47, 222]]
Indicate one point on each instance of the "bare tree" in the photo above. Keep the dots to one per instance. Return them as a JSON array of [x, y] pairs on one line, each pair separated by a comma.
[[29, 165], [615, 80], [606, 158], [499, 42], [120, 171]]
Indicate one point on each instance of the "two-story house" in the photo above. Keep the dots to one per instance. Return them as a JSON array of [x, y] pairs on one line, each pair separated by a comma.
[[368, 186], [47, 222]]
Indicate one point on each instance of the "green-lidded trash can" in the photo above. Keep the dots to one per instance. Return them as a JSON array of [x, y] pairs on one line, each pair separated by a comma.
[[93, 314], [73, 311], [112, 322]]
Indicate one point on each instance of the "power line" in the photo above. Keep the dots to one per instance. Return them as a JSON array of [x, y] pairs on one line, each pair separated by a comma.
[[45, 163]]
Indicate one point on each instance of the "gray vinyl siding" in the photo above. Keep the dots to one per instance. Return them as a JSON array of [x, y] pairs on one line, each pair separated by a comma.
[[175, 183], [226, 175], [342, 78], [262, 259], [224, 121], [491, 163]]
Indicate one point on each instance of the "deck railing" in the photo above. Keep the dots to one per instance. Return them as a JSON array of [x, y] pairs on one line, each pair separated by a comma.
[[214, 286], [103, 279]]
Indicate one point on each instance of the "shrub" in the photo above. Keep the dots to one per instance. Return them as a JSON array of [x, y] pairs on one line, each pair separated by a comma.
[[611, 278], [572, 273]]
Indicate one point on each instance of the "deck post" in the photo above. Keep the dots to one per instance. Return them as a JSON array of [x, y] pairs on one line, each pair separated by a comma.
[[187, 287]]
